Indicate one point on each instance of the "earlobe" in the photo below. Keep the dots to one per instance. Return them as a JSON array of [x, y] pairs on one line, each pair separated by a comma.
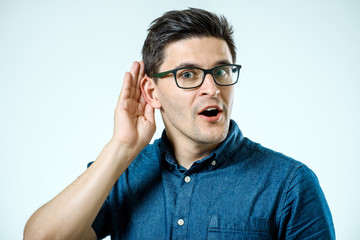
[[149, 91]]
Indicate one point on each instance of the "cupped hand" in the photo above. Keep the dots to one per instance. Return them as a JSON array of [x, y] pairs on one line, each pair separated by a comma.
[[134, 117]]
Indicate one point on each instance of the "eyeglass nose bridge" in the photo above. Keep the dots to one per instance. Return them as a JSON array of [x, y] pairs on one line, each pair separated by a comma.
[[211, 72]]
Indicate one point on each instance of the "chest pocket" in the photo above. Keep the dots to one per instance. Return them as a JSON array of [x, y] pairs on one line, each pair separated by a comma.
[[238, 227]]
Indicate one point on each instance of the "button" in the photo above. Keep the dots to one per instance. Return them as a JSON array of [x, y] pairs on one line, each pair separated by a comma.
[[181, 222], [187, 179], [213, 163]]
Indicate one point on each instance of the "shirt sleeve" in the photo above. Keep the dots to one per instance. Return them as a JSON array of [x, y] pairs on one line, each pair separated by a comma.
[[101, 225], [306, 214]]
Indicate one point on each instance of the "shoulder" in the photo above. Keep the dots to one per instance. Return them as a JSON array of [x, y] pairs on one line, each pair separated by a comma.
[[149, 155], [145, 166], [273, 161], [276, 169]]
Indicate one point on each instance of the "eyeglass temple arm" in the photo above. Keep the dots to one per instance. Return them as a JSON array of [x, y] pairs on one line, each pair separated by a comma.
[[161, 75]]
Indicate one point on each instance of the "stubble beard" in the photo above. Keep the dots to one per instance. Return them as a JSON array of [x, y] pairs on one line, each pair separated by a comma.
[[195, 133], [202, 136]]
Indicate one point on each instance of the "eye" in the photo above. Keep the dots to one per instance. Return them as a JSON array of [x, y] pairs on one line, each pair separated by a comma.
[[187, 75], [220, 72]]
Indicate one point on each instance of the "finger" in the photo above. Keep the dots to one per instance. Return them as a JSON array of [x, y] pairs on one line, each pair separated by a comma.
[[140, 76], [126, 87], [141, 70], [134, 72]]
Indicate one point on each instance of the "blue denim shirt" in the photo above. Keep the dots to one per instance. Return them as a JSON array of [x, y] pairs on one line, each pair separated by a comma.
[[240, 191]]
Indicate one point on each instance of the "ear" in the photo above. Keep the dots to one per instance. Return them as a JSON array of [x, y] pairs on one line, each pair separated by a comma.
[[150, 92]]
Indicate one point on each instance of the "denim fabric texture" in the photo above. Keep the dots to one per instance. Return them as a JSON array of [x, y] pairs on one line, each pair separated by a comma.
[[240, 191]]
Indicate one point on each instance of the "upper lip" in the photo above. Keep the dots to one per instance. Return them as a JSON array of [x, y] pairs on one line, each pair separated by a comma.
[[210, 107]]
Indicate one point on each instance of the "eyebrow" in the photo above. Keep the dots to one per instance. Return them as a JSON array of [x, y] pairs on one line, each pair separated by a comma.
[[186, 65]]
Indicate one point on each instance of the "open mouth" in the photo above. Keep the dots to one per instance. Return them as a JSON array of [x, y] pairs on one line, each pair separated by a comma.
[[210, 112]]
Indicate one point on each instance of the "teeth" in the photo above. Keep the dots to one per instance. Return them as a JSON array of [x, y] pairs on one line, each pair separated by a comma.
[[210, 109]]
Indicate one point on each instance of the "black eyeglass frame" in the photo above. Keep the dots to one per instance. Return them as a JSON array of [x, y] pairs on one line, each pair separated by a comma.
[[206, 71]]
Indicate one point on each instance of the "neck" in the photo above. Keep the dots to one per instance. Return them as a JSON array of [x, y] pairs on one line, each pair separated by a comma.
[[187, 151]]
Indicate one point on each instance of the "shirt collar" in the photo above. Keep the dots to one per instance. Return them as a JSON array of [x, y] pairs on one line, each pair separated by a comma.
[[215, 159]]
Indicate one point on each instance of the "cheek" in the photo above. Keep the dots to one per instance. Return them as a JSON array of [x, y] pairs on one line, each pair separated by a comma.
[[175, 104], [175, 101], [228, 96]]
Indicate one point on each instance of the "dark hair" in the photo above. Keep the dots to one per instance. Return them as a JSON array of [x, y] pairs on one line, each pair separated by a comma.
[[177, 25]]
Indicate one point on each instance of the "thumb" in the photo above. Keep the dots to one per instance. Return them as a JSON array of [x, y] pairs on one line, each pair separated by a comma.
[[149, 113]]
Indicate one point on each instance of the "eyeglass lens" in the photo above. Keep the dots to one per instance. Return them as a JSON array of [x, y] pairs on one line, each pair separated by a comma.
[[192, 77]]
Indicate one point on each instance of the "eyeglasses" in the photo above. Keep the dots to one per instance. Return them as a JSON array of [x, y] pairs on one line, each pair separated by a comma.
[[193, 77]]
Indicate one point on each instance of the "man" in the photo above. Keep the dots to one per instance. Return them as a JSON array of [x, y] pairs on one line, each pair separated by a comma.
[[202, 179]]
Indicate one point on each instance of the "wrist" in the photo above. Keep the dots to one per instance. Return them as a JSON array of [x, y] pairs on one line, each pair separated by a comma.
[[121, 151]]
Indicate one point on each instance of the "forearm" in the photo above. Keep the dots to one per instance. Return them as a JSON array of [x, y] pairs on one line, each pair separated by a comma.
[[70, 214]]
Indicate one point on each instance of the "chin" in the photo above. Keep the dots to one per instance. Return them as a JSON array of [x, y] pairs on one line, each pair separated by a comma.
[[211, 137]]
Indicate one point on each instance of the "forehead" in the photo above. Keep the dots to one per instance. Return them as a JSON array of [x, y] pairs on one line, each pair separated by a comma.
[[205, 52]]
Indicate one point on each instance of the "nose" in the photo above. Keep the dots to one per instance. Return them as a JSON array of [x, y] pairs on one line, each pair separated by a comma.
[[209, 87]]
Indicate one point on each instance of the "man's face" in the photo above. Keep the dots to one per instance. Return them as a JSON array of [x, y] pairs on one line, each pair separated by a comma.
[[183, 109]]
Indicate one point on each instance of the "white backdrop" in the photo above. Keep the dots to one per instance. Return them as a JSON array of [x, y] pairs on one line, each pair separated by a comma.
[[61, 69]]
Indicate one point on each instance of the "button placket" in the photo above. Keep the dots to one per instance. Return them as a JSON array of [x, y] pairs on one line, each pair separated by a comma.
[[182, 208]]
